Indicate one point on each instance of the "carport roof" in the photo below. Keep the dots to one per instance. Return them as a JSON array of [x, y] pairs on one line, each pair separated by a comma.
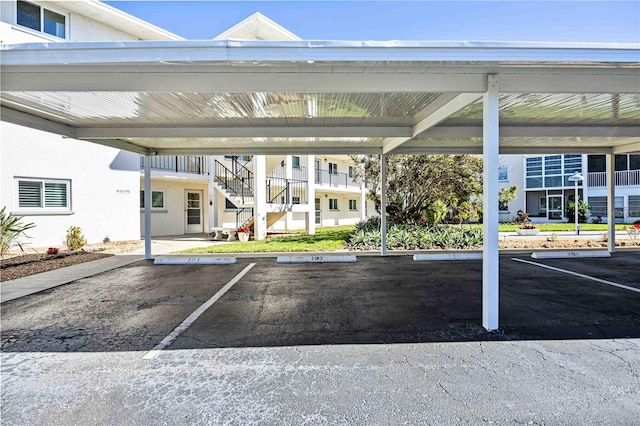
[[266, 97]]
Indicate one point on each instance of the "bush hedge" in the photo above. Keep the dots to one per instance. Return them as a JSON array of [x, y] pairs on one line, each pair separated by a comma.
[[414, 236]]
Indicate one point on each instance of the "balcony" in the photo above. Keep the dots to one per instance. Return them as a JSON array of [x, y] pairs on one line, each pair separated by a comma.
[[192, 164], [335, 180], [623, 178]]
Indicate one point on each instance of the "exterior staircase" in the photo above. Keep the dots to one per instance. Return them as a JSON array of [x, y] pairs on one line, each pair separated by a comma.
[[236, 183]]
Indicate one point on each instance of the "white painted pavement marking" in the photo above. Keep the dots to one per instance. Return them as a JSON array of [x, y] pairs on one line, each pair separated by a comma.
[[447, 256], [316, 259], [194, 260], [569, 254], [184, 325], [626, 287]]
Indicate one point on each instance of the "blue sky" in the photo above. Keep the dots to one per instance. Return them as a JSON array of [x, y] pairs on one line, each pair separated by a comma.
[[582, 21]]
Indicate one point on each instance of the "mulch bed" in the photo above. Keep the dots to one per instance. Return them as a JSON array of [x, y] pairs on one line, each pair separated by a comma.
[[30, 264]]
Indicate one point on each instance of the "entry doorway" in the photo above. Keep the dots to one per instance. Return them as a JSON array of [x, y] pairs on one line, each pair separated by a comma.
[[554, 207], [193, 212]]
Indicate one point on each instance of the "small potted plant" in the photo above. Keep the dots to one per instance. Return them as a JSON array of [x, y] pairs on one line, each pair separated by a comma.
[[243, 233], [527, 229]]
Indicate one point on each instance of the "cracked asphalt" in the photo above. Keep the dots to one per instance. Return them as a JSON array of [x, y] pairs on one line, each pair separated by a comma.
[[383, 341]]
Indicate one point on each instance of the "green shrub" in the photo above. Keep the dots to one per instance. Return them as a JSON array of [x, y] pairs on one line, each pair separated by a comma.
[[583, 211], [415, 235], [10, 230], [75, 239]]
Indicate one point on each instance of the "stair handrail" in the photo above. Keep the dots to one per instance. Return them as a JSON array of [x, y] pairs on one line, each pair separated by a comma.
[[224, 174], [243, 216]]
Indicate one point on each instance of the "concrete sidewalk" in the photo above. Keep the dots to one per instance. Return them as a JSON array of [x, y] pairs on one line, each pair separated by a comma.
[[10, 290]]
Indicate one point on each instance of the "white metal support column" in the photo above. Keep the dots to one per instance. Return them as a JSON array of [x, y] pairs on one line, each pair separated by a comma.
[[288, 174], [259, 197], [310, 215], [611, 202], [147, 207], [383, 204], [490, 217]]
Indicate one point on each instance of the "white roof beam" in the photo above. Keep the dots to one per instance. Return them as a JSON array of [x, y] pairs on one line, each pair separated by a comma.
[[29, 120], [115, 79], [627, 149], [452, 106], [605, 82], [304, 51], [540, 131], [239, 132], [93, 81], [266, 150]]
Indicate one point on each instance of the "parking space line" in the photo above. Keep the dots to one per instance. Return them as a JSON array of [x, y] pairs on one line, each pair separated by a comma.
[[578, 275], [184, 325]]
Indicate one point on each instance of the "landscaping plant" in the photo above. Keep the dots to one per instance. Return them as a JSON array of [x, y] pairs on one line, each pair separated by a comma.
[[75, 239], [11, 228]]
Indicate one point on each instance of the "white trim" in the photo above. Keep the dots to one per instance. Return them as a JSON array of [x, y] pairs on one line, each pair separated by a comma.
[[44, 209]]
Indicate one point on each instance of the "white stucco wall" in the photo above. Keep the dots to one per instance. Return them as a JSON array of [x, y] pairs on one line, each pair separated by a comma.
[[79, 27], [104, 185], [171, 220]]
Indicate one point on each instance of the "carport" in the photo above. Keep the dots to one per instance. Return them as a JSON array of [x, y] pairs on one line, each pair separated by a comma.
[[335, 97]]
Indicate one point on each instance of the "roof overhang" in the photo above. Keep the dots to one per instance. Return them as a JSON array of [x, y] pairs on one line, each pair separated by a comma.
[[233, 97]]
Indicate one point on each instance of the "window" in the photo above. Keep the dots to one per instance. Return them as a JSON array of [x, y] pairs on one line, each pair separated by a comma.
[[598, 206], [333, 168], [44, 194], [244, 158], [333, 204], [353, 205], [621, 163], [534, 172], [157, 199], [634, 205], [41, 19], [295, 162], [503, 174], [351, 172], [295, 200], [597, 163], [503, 207]]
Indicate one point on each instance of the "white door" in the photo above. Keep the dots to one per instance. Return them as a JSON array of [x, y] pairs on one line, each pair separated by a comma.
[[554, 207], [193, 212]]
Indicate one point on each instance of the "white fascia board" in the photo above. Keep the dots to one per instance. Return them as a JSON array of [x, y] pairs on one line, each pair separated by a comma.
[[238, 132], [266, 150], [177, 80], [342, 51], [442, 113], [29, 120], [601, 81], [628, 148], [533, 130]]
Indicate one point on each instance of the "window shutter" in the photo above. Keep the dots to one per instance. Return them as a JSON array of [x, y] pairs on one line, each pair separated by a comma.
[[55, 194], [29, 194]]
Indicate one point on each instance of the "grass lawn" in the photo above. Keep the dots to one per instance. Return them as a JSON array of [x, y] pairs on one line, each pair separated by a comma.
[[325, 239]]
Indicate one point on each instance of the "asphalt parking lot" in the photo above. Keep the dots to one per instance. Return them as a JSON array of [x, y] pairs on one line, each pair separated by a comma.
[[384, 340]]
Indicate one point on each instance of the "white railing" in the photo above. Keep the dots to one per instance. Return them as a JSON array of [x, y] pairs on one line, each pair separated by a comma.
[[623, 178]]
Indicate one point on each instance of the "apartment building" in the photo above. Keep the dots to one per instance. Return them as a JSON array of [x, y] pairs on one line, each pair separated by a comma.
[[60, 182], [544, 188], [54, 181]]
